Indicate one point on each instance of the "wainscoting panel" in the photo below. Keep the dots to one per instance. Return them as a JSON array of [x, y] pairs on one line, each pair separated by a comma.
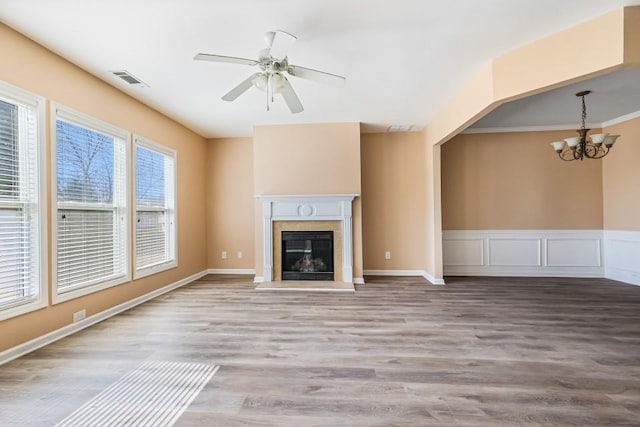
[[567, 253], [464, 252], [573, 252], [622, 256], [510, 252]]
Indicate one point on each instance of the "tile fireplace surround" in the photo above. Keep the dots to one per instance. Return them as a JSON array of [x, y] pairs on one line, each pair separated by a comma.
[[329, 207]]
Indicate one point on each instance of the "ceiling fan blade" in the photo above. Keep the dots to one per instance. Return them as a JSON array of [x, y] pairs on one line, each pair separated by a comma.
[[281, 44], [221, 58], [290, 97], [316, 76], [240, 89]]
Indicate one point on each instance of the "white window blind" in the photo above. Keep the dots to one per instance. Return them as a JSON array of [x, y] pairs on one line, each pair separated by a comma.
[[155, 208], [20, 236], [91, 212]]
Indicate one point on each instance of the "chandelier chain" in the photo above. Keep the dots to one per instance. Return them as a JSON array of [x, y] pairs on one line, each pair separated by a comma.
[[584, 113]]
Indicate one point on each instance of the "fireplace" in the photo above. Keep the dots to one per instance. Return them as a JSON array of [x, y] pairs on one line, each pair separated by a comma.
[[307, 213], [307, 255]]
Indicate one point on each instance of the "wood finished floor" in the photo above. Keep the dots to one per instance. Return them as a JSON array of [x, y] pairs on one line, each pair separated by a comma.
[[398, 352]]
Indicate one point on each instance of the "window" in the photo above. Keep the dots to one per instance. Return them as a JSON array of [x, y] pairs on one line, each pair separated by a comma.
[[155, 230], [22, 233], [91, 212]]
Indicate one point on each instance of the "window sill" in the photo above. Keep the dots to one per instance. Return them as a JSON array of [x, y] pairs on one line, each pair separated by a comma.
[[76, 293], [154, 269], [21, 309]]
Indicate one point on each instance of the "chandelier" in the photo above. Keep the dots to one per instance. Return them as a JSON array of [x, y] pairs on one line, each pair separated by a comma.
[[579, 147]]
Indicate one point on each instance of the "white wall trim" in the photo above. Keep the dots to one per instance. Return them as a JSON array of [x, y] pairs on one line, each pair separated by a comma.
[[540, 128], [432, 279], [543, 128], [358, 280], [621, 254], [258, 279], [536, 253], [41, 341], [409, 273], [621, 119], [231, 271], [394, 273], [522, 272]]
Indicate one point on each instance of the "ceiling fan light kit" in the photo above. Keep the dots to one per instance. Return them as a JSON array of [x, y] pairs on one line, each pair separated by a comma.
[[274, 68], [579, 147]]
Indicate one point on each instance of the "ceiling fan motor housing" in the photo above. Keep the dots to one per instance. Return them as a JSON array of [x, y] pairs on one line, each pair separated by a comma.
[[270, 64]]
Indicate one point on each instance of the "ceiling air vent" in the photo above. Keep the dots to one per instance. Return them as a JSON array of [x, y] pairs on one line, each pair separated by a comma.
[[129, 78], [400, 128]]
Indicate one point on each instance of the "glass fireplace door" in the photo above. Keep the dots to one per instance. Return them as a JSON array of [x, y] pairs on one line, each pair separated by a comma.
[[307, 255]]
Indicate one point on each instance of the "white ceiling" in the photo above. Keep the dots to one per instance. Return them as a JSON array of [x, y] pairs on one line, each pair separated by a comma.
[[403, 59]]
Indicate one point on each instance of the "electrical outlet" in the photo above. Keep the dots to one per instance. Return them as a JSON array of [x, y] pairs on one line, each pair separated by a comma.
[[387, 255], [79, 315], [239, 254], [224, 255]]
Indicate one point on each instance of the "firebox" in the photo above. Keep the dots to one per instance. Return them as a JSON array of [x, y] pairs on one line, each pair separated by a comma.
[[307, 255]]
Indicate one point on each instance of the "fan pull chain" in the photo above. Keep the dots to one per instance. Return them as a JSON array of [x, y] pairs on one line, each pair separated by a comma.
[[267, 91], [271, 85]]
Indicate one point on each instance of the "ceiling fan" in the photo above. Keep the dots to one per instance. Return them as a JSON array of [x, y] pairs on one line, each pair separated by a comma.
[[274, 68]]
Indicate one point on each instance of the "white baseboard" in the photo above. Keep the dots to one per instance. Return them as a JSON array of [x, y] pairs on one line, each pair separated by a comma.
[[258, 279], [630, 277], [536, 253], [231, 271], [432, 279], [622, 256], [523, 272], [393, 273], [409, 273], [36, 343]]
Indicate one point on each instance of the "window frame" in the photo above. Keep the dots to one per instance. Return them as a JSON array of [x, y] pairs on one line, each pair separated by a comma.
[[18, 95], [147, 144], [64, 113]]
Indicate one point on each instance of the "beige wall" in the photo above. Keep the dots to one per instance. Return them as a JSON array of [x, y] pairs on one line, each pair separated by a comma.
[[601, 48], [30, 66], [632, 36], [230, 203], [621, 178], [308, 159], [516, 181], [393, 200]]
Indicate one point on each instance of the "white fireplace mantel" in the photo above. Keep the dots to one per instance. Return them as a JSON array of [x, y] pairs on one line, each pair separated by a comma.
[[307, 207]]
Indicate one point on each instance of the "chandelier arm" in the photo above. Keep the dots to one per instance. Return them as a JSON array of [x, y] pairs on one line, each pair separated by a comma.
[[563, 155], [602, 151], [591, 151]]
